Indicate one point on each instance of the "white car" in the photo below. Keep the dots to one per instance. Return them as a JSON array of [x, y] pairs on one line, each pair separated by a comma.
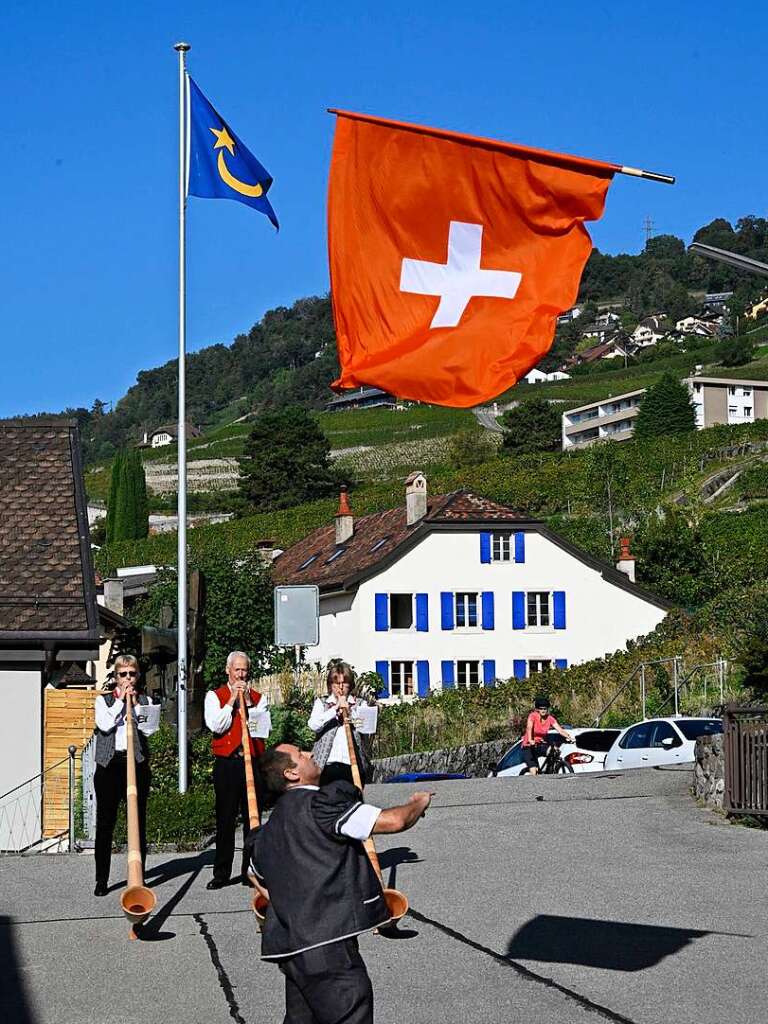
[[587, 754], [660, 741]]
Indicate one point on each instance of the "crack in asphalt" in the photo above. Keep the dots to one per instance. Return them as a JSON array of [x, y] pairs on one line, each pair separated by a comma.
[[524, 972], [225, 984]]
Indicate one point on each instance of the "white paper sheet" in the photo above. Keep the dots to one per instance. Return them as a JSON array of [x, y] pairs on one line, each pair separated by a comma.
[[365, 718], [150, 713], [259, 723]]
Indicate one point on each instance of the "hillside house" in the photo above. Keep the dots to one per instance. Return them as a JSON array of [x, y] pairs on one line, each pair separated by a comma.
[[457, 590], [650, 330], [167, 434], [699, 326], [726, 400], [361, 398], [49, 627], [540, 377], [611, 418]]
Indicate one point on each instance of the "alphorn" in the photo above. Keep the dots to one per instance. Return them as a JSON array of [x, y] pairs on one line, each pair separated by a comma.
[[397, 902], [137, 900], [258, 903]]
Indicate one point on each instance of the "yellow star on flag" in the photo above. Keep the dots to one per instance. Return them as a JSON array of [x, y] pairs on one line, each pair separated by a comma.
[[224, 139]]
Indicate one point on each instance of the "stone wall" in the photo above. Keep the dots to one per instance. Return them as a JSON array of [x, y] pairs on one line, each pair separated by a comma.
[[709, 771], [475, 760]]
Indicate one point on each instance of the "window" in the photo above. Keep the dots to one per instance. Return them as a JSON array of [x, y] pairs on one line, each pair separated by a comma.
[[663, 731], [539, 665], [379, 544], [401, 611], [401, 676], [512, 758], [731, 391], [501, 547], [732, 410], [747, 410], [599, 740], [697, 388], [466, 611], [746, 392], [308, 561], [636, 737], [335, 555], [467, 673], [692, 728], [538, 608]]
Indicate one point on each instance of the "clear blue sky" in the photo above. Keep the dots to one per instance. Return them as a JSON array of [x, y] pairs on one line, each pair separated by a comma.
[[89, 151]]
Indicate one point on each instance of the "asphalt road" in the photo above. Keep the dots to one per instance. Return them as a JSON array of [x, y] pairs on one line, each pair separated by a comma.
[[550, 901]]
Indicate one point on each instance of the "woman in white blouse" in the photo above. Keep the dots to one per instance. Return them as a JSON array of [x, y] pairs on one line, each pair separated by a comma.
[[110, 777], [330, 751]]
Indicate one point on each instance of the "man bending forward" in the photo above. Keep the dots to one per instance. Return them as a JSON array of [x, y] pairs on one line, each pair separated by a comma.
[[310, 862]]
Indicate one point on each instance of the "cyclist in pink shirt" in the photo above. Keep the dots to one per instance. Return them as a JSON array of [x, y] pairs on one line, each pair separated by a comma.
[[539, 724]]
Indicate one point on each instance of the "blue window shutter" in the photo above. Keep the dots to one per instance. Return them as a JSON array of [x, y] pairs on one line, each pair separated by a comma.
[[382, 667], [446, 610], [422, 613], [519, 668], [561, 663], [487, 599], [485, 547], [382, 613], [446, 670], [489, 672], [518, 609], [422, 678], [519, 547], [558, 602]]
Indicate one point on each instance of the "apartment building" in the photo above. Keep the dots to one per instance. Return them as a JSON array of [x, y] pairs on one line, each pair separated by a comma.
[[610, 418], [725, 400]]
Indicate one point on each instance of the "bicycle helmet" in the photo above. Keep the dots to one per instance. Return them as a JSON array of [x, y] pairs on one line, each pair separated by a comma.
[[541, 703]]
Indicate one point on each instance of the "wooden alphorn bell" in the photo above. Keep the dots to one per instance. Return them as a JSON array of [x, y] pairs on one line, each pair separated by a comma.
[[137, 900], [258, 903], [397, 902]]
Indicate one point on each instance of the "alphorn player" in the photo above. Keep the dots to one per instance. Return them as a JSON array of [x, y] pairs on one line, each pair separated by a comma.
[[110, 777], [222, 716], [310, 863], [331, 751]]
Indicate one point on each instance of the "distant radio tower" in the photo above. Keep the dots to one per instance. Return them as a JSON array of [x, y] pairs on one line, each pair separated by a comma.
[[648, 229]]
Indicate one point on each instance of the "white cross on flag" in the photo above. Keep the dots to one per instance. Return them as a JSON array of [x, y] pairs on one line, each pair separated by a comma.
[[451, 256]]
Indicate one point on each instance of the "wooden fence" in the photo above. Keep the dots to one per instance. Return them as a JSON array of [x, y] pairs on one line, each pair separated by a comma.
[[68, 719]]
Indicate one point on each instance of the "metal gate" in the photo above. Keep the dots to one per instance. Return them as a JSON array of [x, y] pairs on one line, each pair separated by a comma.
[[745, 744]]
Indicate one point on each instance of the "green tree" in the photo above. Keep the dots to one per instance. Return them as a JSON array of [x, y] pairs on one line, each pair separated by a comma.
[[754, 655], [735, 351], [671, 559], [667, 408], [128, 509], [532, 426], [470, 447], [287, 461]]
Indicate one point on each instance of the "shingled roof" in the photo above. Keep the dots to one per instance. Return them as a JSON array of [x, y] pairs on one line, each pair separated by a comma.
[[378, 537], [46, 575]]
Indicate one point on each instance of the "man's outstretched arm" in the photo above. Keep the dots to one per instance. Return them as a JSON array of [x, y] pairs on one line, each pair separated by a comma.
[[400, 819]]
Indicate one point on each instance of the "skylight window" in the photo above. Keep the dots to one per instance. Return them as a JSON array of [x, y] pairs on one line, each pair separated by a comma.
[[335, 555], [308, 561], [379, 544]]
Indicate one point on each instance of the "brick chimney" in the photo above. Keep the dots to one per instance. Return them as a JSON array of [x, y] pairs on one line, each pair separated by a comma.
[[626, 561], [345, 524], [415, 498]]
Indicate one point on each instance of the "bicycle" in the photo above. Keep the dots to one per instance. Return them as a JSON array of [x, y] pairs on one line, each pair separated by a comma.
[[553, 763]]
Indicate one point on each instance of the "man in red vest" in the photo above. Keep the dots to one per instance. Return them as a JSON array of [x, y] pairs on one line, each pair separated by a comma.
[[222, 716]]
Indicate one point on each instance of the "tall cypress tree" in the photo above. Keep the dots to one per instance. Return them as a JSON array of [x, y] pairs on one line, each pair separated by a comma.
[[666, 409], [128, 512]]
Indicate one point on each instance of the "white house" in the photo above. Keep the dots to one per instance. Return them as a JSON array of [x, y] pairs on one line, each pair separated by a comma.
[[167, 434], [458, 590], [535, 376], [698, 326], [650, 330]]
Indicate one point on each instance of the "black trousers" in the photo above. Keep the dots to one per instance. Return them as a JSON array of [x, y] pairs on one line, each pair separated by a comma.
[[231, 805], [109, 784], [328, 985]]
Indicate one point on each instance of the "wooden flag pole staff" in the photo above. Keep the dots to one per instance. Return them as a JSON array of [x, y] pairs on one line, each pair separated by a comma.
[[577, 162]]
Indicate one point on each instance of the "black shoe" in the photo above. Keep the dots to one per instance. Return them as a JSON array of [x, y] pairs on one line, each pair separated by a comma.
[[217, 883], [101, 889]]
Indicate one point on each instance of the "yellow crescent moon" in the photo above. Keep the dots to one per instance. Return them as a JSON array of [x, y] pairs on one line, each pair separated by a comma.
[[239, 186]]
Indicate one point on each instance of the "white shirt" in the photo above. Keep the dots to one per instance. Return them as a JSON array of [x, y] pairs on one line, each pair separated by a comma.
[[321, 714], [359, 823], [218, 717], [107, 718]]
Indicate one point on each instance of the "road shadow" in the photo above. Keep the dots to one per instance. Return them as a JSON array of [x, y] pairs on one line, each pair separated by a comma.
[[391, 859], [610, 945], [191, 866], [170, 869], [14, 1000]]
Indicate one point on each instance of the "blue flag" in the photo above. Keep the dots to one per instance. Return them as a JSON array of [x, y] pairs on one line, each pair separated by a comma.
[[220, 166]]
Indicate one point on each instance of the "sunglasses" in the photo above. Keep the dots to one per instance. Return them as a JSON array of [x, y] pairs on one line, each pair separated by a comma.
[[131, 673]]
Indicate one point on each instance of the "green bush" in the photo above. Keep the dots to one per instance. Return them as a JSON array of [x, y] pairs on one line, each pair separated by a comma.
[[172, 817]]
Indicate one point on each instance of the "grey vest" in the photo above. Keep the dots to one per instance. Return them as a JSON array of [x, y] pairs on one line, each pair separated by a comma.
[[105, 741], [321, 750]]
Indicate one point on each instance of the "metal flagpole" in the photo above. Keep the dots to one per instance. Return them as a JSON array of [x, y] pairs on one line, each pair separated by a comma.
[[181, 616]]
